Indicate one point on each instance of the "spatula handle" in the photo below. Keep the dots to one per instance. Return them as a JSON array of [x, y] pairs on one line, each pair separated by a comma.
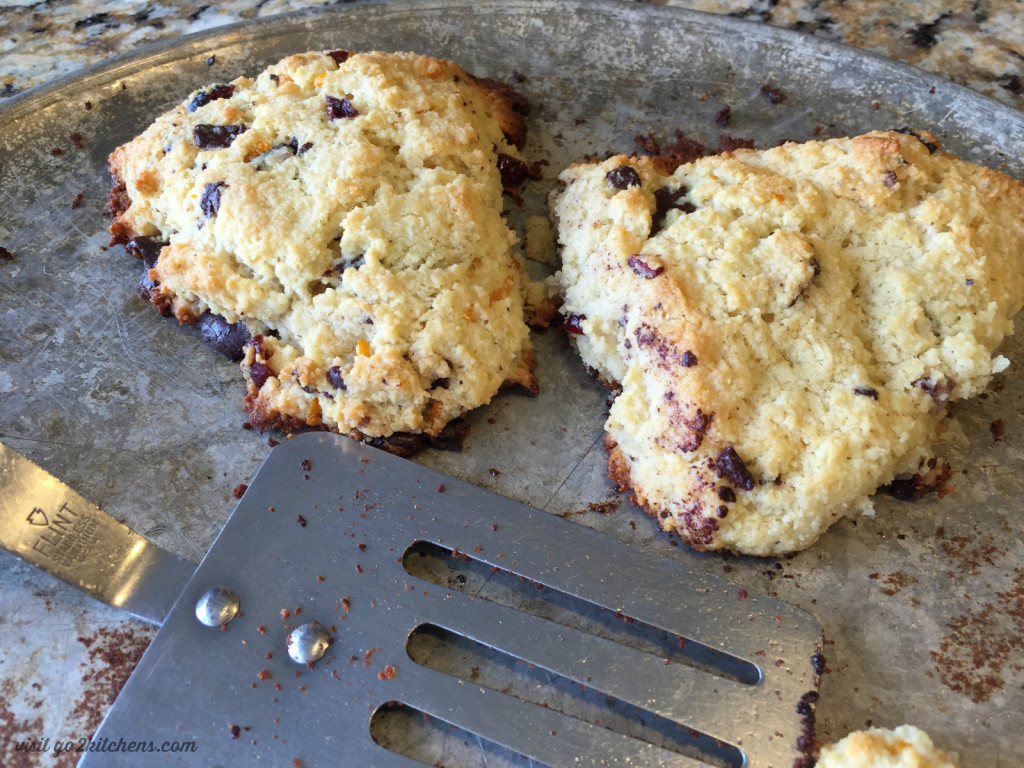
[[52, 527]]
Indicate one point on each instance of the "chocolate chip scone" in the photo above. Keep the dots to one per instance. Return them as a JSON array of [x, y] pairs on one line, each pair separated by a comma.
[[786, 326], [336, 223]]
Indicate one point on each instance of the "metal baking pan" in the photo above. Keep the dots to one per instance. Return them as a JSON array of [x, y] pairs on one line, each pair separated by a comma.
[[920, 603]]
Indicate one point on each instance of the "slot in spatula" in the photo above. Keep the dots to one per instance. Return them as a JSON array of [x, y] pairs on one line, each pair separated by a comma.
[[319, 553]]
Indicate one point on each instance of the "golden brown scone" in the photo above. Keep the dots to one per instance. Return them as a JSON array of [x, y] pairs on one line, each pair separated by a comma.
[[787, 326], [902, 747], [345, 212]]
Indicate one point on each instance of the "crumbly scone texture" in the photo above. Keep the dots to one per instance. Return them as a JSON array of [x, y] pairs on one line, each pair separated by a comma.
[[905, 746], [347, 210], [786, 326]]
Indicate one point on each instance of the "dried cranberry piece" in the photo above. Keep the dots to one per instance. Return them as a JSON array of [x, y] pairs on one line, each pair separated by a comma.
[[210, 94], [259, 373], [513, 171], [340, 108], [729, 464], [642, 268], [227, 338], [623, 177], [209, 201], [216, 136], [334, 377], [339, 56], [146, 248], [573, 324]]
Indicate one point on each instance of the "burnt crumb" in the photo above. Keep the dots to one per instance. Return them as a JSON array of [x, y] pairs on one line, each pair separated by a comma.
[[772, 95], [77, 201], [234, 730], [623, 177], [213, 93], [997, 428], [728, 143], [669, 157], [77, 140], [338, 109], [728, 464], [5, 255], [406, 444], [642, 268], [723, 116]]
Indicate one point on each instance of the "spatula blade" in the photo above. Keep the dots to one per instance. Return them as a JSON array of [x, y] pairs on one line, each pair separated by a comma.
[[328, 532]]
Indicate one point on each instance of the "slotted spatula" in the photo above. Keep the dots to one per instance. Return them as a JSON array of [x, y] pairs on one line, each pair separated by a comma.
[[320, 554]]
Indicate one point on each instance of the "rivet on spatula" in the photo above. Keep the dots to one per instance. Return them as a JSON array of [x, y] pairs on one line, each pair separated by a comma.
[[308, 643], [217, 606]]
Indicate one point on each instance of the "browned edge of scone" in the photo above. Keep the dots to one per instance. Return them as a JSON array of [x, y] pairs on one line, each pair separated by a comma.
[[510, 109]]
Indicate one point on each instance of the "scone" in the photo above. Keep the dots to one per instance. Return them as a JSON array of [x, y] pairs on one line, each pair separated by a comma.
[[336, 223], [902, 747], [786, 326]]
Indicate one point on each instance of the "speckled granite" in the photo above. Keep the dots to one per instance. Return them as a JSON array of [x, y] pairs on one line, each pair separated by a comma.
[[979, 43]]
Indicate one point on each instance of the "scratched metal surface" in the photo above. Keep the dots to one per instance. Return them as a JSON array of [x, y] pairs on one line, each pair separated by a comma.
[[922, 604]]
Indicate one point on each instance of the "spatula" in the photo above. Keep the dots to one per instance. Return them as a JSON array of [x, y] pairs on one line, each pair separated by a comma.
[[296, 636]]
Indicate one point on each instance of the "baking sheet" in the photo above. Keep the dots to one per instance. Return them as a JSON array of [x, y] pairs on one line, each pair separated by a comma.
[[922, 604]]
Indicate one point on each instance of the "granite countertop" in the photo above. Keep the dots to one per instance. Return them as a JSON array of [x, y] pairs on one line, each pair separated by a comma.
[[979, 44]]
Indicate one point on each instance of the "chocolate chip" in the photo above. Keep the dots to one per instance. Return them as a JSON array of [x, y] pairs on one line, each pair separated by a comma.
[[689, 359], [216, 136], [890, 179], [665, 200], [623, 177], [866, 392], [340, 108], [145, 248], [642, 268], [441, 383], [227, 338], [334, 377], [722, 117], [513, 171], [728, 464], [727, 494], [212, 93], [209, 202]]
